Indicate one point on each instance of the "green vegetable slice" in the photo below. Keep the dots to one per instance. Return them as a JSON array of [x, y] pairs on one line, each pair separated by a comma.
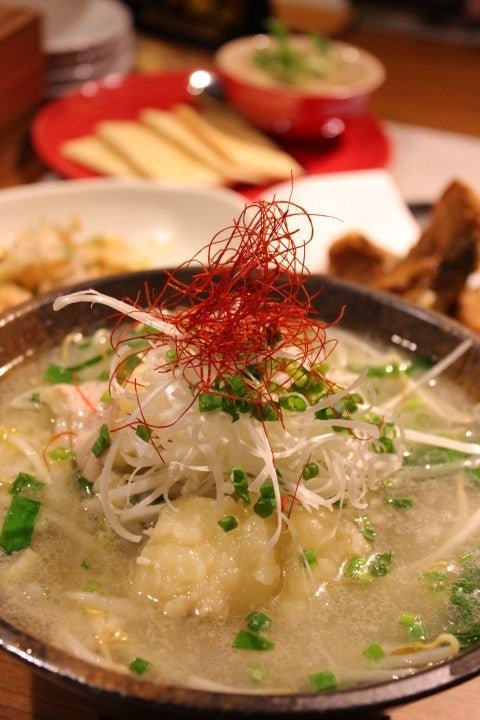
[[228, 523], [258, 621], [60, 453], [102, 442], [239, 479], [310, 471], [139, 666], [56, 374], [381, 564], [19, 524], [399, 502], [248, 640], [23, 480], [308, 557], [208, 402], [323, 681], [143, 432], [374, 651]]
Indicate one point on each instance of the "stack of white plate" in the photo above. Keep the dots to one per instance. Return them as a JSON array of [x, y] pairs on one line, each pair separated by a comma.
[[83, 40]]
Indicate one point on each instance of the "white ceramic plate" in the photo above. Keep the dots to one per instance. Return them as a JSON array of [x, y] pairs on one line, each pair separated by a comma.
[[73, 25], [366, 200], [166, 224]]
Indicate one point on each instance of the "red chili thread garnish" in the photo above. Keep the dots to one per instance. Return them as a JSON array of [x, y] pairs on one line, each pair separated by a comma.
[[85, 399], [246, 304]]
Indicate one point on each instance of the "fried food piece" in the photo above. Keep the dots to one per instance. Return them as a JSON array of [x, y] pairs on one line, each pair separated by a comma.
[[12, 294], [436, 268], [353, 257], [469, 308]]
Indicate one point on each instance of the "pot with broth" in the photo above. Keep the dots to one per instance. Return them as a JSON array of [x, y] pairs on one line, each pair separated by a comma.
[[225, 492]]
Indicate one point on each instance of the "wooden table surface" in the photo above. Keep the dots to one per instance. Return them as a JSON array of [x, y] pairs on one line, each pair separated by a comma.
[[428, 83]]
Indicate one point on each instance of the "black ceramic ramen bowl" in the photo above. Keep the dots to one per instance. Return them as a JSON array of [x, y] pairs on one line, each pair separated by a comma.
[[376, 317]]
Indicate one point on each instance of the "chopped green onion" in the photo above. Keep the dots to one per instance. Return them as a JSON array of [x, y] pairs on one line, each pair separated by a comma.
[[381, 564], [437, 581], [308, 557], [126, 368], [208, 402], [56, 374], [356, 566], [86, 363], [399, 502], [171, 355], [419, 364], [357, 569], [266, 412], [389, 370], [432, 455], [143, 432], [407, 619], [374, 652], [102, 442], [22, 480], [106, 397], [35, 398], [248, 640], [150, 330], [139, 666], [267, 490], [84, 484], [368, 531], [227, 523], [256, 673], [92, 586], [300, 378], [19, 523], [383, 445], [258, 621], [104, 375], [323, 681], [236, 385], [230, 407], [415, 627], [264, 507], [292, 403], [310, 471], [239, 479], [60, 453], [86, 564]]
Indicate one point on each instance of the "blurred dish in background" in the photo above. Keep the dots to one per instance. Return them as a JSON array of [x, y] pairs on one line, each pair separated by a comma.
[[298, 86], [362, 145], [53, 234], [364, 201], [83, 40]]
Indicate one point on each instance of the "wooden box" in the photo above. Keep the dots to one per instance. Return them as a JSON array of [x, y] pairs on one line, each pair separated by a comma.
[[22, 85]]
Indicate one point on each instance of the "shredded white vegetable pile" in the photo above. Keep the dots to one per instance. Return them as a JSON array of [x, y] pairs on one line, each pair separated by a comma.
[[190, 452]]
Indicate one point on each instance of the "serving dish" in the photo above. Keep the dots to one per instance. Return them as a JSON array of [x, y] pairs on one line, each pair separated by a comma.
[[304, 107], [35, 326], [151, 216], [143, 214], [364, 144]]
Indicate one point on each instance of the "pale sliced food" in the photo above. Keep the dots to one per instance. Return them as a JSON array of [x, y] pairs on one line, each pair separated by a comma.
[[154, 157], [170, 127], [96, 155], [239, 143]]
